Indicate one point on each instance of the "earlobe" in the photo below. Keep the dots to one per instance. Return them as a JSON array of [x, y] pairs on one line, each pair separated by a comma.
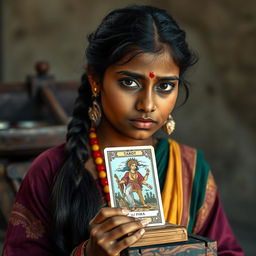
[[94, 111], [94, 85]]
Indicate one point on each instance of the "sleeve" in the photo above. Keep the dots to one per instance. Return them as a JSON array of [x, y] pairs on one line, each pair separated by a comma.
[[126, 178], [212, 222], [80, 249], [28, 227], [217, 227]]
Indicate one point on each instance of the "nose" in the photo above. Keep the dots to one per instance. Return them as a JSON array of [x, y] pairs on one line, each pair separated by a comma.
[[146, 102]]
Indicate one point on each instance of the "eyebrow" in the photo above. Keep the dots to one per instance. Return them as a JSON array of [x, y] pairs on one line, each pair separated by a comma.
[[139, 76]]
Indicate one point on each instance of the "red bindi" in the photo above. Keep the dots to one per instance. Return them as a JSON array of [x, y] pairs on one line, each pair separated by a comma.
[[151, 75]]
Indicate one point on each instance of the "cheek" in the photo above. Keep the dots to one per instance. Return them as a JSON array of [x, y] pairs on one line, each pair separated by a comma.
[[166, 107], [116, 103]]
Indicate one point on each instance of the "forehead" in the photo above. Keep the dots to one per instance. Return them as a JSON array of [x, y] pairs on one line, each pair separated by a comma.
[[161, 63]]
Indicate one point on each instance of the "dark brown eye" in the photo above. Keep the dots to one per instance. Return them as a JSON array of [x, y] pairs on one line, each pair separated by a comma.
[[129, 83], [165, 87]]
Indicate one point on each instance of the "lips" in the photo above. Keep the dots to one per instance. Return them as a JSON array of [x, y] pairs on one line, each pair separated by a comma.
[[143, 123]]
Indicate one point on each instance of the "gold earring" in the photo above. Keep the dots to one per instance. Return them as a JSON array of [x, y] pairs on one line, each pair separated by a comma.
[[169, 125], [94, 111]]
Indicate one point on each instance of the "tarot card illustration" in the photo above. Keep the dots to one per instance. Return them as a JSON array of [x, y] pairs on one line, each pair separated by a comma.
[[133, 182]]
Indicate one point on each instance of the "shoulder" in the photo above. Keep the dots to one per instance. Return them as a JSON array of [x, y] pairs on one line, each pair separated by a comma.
[[51, 157], [190, 156], [139, 174], [30, 215], [195, 169], [45, 166], [36, 186], [186, 151]]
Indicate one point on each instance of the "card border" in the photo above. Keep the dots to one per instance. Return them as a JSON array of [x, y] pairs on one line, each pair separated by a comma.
[[155, 175]]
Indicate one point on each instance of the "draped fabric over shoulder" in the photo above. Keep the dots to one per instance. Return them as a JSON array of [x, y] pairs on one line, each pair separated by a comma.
[[189, 195]]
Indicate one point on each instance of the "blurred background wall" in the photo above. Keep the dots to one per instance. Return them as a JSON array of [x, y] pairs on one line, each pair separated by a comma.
[[220, 116]]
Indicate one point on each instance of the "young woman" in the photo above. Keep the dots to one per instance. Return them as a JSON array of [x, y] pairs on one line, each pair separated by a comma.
[[136, 62]]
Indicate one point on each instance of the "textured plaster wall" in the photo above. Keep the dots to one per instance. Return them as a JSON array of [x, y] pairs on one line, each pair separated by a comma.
[[220, 116]]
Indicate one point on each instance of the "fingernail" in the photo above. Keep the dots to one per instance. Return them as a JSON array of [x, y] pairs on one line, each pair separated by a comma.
[[144, 222], [125, 211], [142, 231]]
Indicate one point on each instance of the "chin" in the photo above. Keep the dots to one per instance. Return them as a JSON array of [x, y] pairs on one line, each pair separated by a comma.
[[141, 135]]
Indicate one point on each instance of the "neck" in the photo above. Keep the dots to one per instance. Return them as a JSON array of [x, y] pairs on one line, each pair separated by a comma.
[[109, 137]]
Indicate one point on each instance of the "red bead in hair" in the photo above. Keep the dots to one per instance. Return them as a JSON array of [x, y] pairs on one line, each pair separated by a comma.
[[94, 141], [107, 196], [96, 154], [100, 167], [104, 182]]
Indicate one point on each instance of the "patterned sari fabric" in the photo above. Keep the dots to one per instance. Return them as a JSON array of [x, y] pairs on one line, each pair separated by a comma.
[[189, 189], [189, 196]]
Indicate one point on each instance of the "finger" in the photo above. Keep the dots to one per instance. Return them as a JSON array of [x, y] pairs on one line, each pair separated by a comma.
[[126, 229], [107, 240], [128, 241], [108, 212], [109, 224], [113, 222]]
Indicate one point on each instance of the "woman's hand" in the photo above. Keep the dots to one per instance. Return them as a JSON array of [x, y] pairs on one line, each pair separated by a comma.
[[113, 231]]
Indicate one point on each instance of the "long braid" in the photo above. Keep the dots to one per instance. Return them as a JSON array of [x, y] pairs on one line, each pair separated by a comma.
[[74, 187]]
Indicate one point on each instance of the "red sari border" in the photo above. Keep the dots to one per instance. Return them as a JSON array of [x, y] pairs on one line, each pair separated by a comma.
[[188, 170], [210, 196]]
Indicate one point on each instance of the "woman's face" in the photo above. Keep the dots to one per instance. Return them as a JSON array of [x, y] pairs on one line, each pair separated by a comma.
[[138, 96], [133, 167]]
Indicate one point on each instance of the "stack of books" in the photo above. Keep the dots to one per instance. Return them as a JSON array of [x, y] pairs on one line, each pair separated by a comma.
[[168, 233]]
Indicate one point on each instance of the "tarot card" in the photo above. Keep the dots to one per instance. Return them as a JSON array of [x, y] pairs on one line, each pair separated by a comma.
[[133, 182]]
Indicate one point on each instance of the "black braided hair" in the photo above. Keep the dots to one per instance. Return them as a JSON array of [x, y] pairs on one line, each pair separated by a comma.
[[134, 30], [75, 189]]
